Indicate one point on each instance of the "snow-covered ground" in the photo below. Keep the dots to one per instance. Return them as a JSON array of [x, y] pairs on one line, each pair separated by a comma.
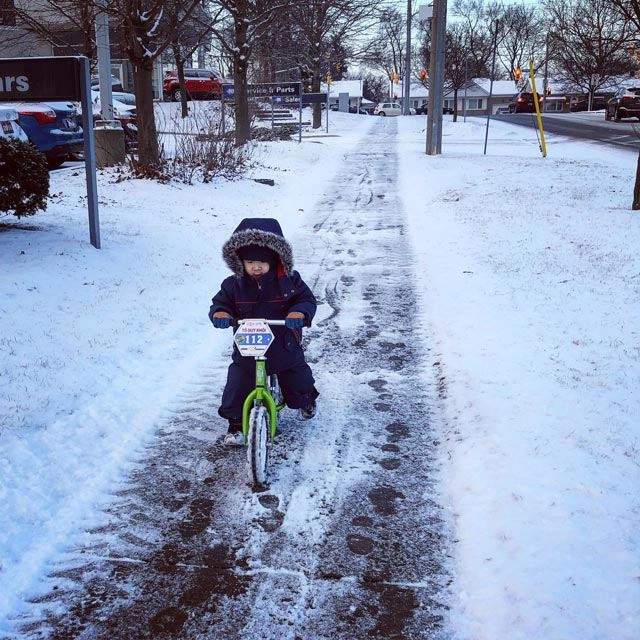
[[529, 277]]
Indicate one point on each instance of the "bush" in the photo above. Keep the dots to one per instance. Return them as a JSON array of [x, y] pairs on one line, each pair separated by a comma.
[[198, 148], [266, 134], [24, 178]]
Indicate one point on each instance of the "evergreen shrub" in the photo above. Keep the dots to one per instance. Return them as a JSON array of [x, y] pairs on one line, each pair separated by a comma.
[[24, 178]]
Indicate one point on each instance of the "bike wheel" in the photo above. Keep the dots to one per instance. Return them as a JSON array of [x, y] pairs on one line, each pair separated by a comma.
[[257, 450]]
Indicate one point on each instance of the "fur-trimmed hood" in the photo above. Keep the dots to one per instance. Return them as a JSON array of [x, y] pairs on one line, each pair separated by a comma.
[[265, 232]]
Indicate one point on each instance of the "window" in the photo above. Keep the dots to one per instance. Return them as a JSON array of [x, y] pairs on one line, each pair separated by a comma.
[[475, 104], [7, 13], [554, 104], [448, 104]]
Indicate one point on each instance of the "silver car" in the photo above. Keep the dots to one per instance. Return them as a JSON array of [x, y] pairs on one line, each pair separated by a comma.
[[9, 127]]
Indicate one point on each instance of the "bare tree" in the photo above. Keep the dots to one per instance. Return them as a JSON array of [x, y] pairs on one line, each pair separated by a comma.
[[630, 10], [321, 24], [374, 87], [591, 35], [67, 25], [185, 40], [477, 20], [249, 20], [148, 28], [386, 50], [456, 63], [523, 37]]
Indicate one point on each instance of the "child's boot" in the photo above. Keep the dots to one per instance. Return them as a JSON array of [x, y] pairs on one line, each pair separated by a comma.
[[306, 413], [234, 436]]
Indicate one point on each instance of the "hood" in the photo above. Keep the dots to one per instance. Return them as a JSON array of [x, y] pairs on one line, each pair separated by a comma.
[[265, 232]]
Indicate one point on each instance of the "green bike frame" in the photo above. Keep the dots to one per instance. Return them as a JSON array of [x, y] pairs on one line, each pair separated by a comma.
[[260, 395]]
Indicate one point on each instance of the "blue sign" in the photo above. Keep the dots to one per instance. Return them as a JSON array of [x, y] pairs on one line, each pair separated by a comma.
[[266, 89], [261, 339]]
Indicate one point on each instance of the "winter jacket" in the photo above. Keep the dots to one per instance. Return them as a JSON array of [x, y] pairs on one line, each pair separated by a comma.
[[274, 295]]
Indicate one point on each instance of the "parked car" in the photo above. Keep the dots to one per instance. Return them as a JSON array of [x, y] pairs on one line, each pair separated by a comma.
[[116, 84], [582, 104], [625, 104], [387, 109], [423, 109], [523, 103], [9, 125], [124, 113], [203, 84], [359, 110], [52, 128], [124, 97]]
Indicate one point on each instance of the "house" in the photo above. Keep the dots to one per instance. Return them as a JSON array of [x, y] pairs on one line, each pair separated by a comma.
[[56, 35], [351, 87], [473, 98], [15, 40]]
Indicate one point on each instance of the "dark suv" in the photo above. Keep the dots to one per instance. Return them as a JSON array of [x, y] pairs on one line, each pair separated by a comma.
[[523, 103], [202, 84], [423, 109], [625, 104]]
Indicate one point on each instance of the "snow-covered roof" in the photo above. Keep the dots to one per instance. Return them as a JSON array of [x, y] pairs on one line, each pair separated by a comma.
[[475, 87], [500, 87], [352, 87]]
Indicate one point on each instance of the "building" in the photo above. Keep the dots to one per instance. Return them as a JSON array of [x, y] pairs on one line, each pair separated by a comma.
[[351, 87], [46, 32], [473, 98]]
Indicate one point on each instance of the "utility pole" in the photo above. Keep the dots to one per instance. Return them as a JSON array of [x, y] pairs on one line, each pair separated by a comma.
[[436, 77], [104, 61], [407, 65]]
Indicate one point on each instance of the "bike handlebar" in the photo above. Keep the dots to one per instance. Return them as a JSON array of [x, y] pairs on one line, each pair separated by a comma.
[[239, 321]]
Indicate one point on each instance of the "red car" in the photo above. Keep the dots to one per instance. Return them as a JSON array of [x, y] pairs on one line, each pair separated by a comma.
[[201, 84]]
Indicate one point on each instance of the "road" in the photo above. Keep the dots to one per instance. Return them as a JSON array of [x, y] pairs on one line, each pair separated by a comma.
[[586, 126], [349, 540]]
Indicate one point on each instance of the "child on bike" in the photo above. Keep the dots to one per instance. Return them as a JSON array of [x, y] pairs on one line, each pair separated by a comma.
[[264, 285]]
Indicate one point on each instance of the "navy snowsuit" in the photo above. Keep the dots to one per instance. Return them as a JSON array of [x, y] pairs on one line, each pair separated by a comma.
[[275, 294]]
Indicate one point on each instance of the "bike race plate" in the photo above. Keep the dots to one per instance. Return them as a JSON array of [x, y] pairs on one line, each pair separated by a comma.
[[253, 337]]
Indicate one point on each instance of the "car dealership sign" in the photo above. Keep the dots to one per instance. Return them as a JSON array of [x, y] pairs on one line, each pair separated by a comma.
[[40, 79], [266, 89]]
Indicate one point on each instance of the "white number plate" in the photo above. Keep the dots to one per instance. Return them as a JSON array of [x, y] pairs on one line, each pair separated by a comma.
[[253, 337]]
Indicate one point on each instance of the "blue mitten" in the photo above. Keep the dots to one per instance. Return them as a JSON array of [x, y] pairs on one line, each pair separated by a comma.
[[221, 320], [294, 320]]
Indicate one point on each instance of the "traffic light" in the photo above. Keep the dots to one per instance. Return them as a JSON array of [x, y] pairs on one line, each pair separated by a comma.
[[517, 73], [394, 76], [329, 79], [423, 74]]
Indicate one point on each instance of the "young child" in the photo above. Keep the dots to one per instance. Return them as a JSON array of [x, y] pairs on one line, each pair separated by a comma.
[[264, 285]]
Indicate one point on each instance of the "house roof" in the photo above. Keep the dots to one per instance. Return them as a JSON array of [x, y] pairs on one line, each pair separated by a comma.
[[352, 87], [500, 87], [475, 87]]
